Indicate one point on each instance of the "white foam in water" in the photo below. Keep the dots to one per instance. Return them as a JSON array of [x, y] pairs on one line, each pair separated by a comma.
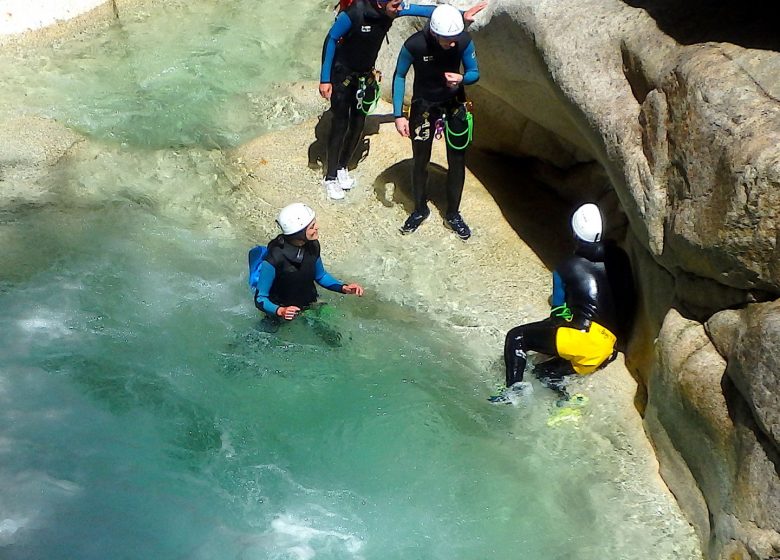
[[9, 528], [53, 326], [300, 540]]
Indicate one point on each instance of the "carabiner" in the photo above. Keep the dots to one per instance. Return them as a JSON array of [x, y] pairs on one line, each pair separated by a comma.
[[361, 92], [438, 128]]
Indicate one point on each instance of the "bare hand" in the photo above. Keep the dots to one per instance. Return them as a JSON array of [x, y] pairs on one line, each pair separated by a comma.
[[402, 126], [353, 289], [468, 16], [288, 313], [326, 90], [453, 79]]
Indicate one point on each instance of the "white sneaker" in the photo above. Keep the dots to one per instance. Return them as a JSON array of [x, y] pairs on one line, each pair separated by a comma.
[[345, 181], [334, 190]]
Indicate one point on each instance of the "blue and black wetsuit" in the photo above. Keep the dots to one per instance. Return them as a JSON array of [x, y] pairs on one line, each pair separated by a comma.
[[587, 283], [288, 274], [349, 54], [432, 99]]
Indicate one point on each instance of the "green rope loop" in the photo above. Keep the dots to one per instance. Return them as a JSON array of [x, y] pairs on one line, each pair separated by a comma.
[[372, 103], [563, 312], [469, 132]]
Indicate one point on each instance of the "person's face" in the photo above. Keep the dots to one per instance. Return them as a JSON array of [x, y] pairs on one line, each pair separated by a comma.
[[446, 42], [312, 231], [392, 7]]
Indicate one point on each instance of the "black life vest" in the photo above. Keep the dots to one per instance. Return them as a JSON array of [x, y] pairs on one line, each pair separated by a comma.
[[295, 271], [430, 61], [360, 47]]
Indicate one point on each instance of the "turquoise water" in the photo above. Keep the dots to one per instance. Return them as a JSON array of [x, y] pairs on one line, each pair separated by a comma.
[[147, 412]]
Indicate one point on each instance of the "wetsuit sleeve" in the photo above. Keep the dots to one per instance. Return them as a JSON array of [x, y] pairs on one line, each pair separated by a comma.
[[418, 10], [470, 67], [399, 81], [339, 29], [264, 283], [559, 290], [324, 279]]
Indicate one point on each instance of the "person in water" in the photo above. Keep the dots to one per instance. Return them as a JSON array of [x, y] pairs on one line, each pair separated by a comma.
[[588, 289], [292, 265], [438, 106], [348, 79]]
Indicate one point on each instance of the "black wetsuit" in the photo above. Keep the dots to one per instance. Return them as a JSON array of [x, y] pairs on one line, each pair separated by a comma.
[[353, 60], [287, 276], [583, 283], [432, 99]]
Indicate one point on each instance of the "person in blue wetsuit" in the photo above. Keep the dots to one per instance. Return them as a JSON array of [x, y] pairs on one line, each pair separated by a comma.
[[292, 265], [592, 308], [437, 53], [348, 80]]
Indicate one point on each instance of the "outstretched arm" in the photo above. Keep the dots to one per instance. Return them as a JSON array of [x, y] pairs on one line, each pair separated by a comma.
[[330, 283], [324, 279], [425, 10], [419, 10]]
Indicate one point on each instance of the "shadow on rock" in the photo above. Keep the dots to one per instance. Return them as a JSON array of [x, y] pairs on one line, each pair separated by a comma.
[[394, 186], [747, 24], [318, 150], [538, 215]]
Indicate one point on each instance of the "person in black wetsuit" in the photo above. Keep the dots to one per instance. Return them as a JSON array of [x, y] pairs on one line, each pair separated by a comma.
[[437, 54], [592, 301], [348, 80], [292, 265]]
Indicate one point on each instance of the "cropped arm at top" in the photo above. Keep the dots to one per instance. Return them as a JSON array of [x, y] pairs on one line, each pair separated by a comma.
[[419, 10], [399, 81], [470, 67], [339, 29]]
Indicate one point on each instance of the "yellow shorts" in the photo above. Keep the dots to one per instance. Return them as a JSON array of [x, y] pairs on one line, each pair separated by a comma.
[[585, 350]]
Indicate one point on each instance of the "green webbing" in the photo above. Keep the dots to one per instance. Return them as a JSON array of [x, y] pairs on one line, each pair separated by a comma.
[[469, 130], [563, 312], [371, 104]]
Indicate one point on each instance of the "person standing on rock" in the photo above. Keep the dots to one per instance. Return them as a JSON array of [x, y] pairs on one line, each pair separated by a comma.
[[349, 81], [439, 107], [592, 302]]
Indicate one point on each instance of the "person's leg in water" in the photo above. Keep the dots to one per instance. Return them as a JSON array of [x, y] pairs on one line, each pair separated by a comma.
[[539, 337], [553, 374], [316, 317], [421, 127], [456, 176]]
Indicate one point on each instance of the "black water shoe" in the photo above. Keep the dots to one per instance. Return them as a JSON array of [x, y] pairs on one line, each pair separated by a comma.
[[413, 222], [456, 224]]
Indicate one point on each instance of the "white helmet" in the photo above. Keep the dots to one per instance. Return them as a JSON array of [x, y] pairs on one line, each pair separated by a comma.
[[446, 21], [294, 218], [586, 223]]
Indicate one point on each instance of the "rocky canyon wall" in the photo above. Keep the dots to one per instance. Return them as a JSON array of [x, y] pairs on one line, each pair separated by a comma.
[[668, 115]]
